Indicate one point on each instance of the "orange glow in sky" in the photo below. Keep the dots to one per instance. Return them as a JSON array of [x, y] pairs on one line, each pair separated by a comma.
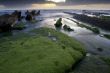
[[56, 6], [46, 5]]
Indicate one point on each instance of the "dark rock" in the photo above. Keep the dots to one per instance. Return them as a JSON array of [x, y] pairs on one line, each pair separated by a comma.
[[18, 14], [22, 17], [94, 21], [58, 24], [67, 28], [7, 21], [33, 12], [29, 17], [5, 27]]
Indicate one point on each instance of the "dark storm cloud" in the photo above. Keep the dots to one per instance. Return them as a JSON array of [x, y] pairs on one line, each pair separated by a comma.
[[40, 1], [11, 1], [26, 2], [87, 1], [20, 1]]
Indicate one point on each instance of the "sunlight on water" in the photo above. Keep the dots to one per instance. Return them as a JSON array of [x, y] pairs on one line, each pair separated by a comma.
[[57, 1]]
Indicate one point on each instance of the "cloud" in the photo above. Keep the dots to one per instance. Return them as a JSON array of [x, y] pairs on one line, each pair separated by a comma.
[[78, 2], [93, 6], [14, 2], [43, 6], [2, 6], [67, 3], [57, 1], [20, 1]]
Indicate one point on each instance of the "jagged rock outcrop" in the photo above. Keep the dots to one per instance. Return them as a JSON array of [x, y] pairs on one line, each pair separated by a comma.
[[58, 24], [67, 28], [7, 21]]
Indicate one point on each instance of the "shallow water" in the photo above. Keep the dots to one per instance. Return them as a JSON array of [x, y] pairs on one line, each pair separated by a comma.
[[90, 40]]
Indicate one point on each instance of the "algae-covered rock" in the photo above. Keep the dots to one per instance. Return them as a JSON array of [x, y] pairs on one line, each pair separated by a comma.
[[19, 26], [25, 53], [58, 24]]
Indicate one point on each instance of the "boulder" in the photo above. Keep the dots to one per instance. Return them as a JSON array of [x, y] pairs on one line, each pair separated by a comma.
[[33, 12], [29, 17], [58, 24], [7, 21], [67, 28], [17, 14]]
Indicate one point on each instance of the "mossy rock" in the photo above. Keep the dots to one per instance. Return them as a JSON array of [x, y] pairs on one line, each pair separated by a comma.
[[93, 29], [96, 30], [107, 36], [25, 53], [19, 26], [58, 24]]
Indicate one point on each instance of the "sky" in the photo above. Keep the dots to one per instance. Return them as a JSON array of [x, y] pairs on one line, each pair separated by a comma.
[[55, 4]]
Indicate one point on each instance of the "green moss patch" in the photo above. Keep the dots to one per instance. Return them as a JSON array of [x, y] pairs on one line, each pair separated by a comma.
[[105, 18], [39, 53], [58, 24], [107, 36], [19, 26], [34, 21], [93, 29]]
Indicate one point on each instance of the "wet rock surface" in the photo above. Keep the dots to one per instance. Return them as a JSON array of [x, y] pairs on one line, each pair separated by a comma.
[[67, 28], [96, 46], [92, 64], [58, 24], [7, 21]]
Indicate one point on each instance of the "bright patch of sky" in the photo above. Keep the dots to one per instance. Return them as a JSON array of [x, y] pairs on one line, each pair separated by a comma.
[[57, 1]]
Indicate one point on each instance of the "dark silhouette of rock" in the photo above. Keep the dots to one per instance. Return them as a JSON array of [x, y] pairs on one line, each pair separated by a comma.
[[5, 27], [29, 17], [95, 21], [33, 12], [7, 21], [67, 28], [18, 14], [58, 24]]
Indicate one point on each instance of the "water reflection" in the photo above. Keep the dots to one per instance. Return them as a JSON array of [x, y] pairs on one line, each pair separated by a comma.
[[88, 38]]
